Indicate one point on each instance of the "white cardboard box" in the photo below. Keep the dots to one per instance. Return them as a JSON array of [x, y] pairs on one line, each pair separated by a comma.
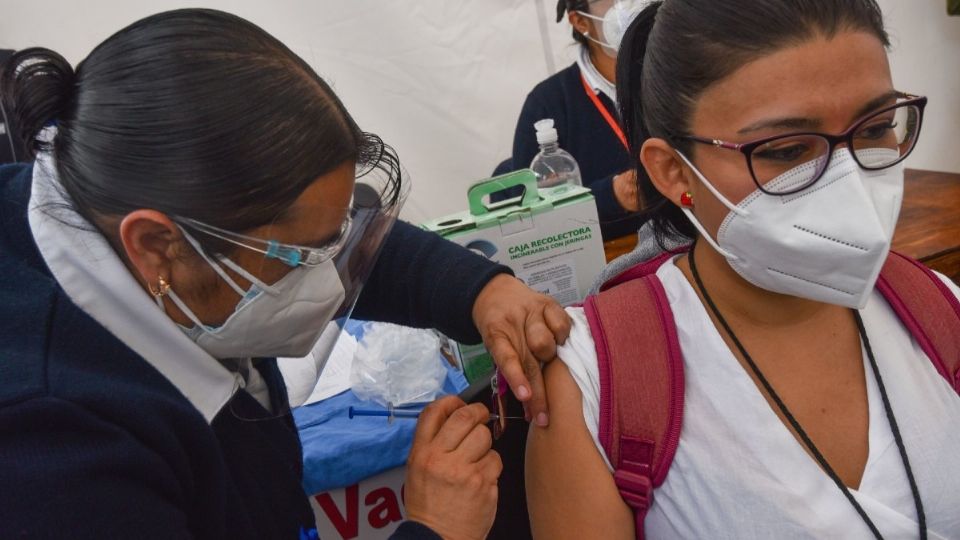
[[550, 238]]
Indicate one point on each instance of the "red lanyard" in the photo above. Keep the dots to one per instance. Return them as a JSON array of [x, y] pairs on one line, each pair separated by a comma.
[[604, 112]]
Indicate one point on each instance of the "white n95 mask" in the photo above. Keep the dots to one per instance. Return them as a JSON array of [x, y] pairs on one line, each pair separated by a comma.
[[826, 243], [614, 23], [283, 319]]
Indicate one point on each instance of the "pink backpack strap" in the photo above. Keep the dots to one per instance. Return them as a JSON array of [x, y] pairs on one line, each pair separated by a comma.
[[928, 309], [645, 268], [641, 385]]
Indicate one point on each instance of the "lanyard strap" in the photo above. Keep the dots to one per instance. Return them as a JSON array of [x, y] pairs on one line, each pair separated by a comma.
[[604, 112], [807, 441]]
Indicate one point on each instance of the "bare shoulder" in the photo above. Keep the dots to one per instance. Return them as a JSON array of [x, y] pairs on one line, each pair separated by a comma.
[[570, 491]]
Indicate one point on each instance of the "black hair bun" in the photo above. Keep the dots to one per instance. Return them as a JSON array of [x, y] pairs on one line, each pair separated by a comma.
[[37, 87]]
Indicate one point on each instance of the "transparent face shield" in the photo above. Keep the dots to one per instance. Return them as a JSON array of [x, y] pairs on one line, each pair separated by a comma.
[[295, 301]]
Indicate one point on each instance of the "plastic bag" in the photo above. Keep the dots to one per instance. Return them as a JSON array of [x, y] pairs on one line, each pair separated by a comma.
[[397, 365]]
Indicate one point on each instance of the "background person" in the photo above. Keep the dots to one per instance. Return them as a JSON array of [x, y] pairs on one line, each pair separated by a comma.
[[581, 100]]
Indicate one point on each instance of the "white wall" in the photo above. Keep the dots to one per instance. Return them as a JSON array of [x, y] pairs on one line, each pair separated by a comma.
[[440, 80], [925, 60], [443, 80]]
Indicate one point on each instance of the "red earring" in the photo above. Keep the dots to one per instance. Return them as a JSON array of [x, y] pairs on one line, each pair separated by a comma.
[[686, 199]]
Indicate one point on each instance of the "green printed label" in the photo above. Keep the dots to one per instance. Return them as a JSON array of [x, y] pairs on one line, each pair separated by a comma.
[[554, 241]]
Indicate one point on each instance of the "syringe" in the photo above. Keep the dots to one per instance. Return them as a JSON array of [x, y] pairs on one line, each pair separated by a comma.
[[392, 412]]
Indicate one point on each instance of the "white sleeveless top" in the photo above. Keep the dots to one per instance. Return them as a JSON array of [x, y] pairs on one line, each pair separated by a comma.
[[739, 473]]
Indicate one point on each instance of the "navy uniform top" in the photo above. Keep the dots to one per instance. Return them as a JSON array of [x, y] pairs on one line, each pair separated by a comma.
[[95, 442]]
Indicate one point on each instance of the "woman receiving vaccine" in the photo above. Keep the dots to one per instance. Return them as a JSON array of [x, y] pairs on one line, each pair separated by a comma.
[[809, 394]]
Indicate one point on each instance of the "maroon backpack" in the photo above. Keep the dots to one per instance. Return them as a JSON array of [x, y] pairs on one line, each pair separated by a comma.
[[641, 395]]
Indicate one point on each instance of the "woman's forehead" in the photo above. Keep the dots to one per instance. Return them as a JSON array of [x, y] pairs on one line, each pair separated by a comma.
[[826, 79], [318, 212]]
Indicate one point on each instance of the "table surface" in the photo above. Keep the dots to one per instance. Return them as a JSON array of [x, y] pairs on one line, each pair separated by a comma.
[[929, 225], [928, 229]]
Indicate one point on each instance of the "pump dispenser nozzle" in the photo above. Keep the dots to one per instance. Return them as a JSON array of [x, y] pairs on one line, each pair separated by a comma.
[[546, 133]]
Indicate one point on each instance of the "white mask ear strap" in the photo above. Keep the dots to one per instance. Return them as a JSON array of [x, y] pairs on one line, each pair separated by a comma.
[[597, 41], [716, 193], [587, 33], [590, 16], [186, 311], [248, 276], [706, 236], [213, 264]]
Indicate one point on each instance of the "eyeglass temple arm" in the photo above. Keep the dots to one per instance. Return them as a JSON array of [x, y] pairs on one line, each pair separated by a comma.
[[714, 142]]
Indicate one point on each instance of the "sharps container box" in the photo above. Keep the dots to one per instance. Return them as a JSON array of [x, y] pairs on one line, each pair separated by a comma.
[[549, 237]]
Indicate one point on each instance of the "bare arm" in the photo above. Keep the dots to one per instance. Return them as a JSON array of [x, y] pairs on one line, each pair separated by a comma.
[[570, 491]]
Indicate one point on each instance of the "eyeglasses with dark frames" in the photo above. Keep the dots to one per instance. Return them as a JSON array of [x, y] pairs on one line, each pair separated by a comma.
[[877, 141]]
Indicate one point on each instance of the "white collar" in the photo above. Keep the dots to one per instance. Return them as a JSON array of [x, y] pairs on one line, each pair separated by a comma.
[[95, 279], [593, 77]]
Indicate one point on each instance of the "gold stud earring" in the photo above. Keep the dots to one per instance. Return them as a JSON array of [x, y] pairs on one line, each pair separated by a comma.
[[163, 287]]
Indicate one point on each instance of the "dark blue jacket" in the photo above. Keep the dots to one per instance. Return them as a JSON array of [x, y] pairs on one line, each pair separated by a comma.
[[586, 135], [96, 443]]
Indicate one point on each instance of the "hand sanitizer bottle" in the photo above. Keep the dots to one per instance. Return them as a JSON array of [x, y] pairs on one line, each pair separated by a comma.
[[553, 165]]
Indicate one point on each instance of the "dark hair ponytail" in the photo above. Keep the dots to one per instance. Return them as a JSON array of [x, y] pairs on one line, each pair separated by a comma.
[[675, 49], [668, 221], [633, 48], [37, 86]]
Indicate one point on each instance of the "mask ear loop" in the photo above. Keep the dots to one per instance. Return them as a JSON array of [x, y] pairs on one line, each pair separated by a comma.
[[716, 193], [723, 200], [587, 35], [590, 16], [233, 266], [186, 311], [272, 291], [158, 298], [181, 305], [213, 264], [218, 269]]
